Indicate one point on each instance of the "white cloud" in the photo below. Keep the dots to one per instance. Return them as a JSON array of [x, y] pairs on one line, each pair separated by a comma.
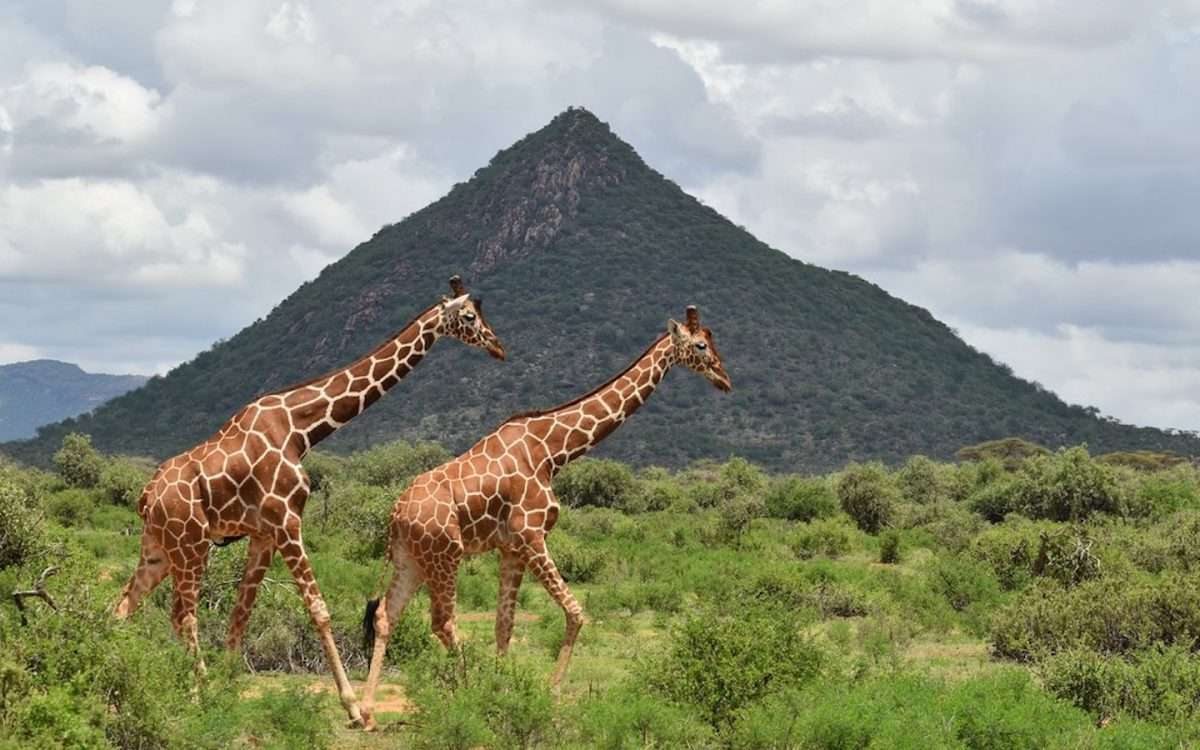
[[1138, 383], [108, 233], [91, 102]]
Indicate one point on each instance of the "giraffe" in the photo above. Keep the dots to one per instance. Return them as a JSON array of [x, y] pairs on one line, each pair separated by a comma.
[[246, 480], [497, 495]]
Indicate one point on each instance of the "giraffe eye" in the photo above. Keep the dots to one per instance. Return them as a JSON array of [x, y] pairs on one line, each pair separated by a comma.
[[701, 345], [469, 316]]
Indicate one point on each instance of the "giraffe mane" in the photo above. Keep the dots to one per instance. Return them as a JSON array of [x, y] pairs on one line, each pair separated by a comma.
[[589, 394], [317, 379]]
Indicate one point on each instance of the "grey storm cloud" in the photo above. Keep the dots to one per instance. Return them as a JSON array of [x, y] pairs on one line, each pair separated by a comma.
[[1027, 170]]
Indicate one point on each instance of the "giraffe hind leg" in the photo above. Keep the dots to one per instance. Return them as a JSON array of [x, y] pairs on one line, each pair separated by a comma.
[[258, 560], [406, 581]]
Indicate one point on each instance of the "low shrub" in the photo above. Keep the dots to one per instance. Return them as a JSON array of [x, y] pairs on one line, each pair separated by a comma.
[[867, 495], [479, 700], [20, 525], [363, 511], [964, 582], [392, 464], [71, 507], [922, 481], [889, 547], [831, 537], [1106, 615], [1159, 684], [627, 717], [598, 483], [122, 481], [1068, 486], [720, 664], [578, 562], [797, 498]]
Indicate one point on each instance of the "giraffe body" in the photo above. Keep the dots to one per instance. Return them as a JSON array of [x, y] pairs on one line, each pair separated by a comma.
[[247, 481], [498, 495]]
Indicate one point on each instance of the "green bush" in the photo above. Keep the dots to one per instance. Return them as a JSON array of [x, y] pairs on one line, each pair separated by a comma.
[[392, 464], [995, 500], [122, 481], [1068, 486], [578, 561], [735, 514], [831, 537], [599, 483], [1106, 615], [908, 712], [712, 486], [1066, 557], [798, 498], [626, 718], [77, 462], [323, 467], [867, 495], [364, 511], [71, 507], [1164, 492], [657, 490], [723, 664], [1158, 684], [20, 527], [964, 582], [923, 481], [1009, 550], [889, 547], [478, 700], [1011, 452]]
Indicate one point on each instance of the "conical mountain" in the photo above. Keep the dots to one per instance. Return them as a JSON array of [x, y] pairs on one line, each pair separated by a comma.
[[582, 252]]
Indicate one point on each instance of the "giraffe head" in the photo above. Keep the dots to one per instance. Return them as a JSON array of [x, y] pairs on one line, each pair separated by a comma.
[[695, 350], [462, 318]]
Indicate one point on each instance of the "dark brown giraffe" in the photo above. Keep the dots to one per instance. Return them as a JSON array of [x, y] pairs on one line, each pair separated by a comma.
[[247, 480], [497, 495]]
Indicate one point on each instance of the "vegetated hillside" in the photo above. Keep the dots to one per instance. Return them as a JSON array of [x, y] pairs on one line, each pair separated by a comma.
[[43, 391], [582, 252]]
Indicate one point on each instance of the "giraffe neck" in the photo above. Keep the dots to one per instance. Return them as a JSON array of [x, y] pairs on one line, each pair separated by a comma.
[[593, 417], [320, 407]]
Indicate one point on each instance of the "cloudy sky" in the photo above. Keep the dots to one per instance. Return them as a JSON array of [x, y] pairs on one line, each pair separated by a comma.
[[1029, 170]]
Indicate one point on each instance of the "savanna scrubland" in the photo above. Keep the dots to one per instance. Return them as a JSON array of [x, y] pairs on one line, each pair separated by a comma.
[[1017, 598]]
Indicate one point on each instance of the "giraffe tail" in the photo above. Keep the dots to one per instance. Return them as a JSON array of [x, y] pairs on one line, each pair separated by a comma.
[[369, 626]]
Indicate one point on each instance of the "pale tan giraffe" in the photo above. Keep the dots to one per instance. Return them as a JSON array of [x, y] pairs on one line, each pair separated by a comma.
[[497, 495], [247, 480]]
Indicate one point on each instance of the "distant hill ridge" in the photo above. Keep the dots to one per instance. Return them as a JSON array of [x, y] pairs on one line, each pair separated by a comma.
[[43, 391], [582, 252]]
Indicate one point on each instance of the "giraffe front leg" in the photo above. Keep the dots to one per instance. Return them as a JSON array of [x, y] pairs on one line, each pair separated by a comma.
[[258, 560], [151, 569], [512, 570], [406, 581], [538, 561], [288, 541]]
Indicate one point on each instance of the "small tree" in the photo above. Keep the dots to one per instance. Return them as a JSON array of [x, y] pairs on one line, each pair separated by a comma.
[[867, 495], [77, 461]]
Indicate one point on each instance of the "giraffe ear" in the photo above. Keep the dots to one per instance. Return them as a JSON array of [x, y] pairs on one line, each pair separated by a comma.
[[676, 330], [452, 305]]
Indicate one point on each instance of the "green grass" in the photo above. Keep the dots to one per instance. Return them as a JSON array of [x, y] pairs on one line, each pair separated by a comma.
[[979, 636]]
